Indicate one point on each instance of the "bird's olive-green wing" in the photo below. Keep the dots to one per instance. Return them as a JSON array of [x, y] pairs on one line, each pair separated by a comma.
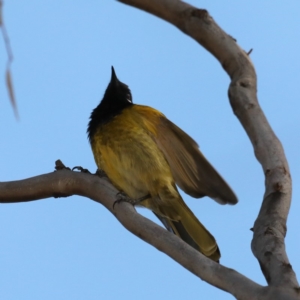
[[190, 169]]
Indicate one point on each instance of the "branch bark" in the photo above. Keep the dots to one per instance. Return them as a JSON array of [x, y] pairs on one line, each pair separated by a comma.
[[270, 226], [66, 183]]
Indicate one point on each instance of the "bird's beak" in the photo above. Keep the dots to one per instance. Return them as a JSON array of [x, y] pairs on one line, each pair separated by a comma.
[[114, 79]]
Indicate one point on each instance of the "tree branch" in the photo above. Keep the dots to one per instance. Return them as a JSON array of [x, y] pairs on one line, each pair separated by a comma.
[[270, 226], [65, 183]]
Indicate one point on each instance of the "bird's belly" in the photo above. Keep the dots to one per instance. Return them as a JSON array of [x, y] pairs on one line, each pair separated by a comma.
[[133, 162]]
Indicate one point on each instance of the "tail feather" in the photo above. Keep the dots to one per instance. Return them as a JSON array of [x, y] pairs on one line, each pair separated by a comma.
[[190, 230], [172, 211]]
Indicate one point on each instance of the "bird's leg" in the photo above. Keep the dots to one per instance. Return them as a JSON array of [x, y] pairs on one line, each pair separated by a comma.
[[122, 197], [100, 173]]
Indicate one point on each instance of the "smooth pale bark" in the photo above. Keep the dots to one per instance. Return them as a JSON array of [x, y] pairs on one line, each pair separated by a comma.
[[270, 226], [65, 183]]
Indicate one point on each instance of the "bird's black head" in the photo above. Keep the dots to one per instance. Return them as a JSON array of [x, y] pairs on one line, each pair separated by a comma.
[[117, 92], [116, 97]]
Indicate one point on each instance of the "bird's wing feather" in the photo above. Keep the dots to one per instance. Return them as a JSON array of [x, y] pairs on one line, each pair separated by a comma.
[[191, 171]]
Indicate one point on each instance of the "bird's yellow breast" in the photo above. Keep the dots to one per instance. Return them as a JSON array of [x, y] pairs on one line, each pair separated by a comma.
[[125, 149]]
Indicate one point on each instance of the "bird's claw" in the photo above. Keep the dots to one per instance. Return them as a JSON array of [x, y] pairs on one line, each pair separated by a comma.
[[81, 169], [100, 173], [122, 197]]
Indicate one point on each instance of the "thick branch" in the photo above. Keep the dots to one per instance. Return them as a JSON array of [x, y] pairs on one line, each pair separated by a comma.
[[65, 183], [270, 226]]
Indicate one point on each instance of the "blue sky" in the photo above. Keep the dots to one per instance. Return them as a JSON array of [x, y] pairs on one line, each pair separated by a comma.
[[74, 248]]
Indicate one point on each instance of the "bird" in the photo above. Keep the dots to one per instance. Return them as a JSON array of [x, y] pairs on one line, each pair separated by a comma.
[[147, 157]]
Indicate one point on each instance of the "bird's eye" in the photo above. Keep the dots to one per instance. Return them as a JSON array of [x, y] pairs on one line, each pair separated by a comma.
[[129, 99]]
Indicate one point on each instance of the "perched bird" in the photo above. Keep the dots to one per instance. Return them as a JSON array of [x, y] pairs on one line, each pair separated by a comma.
[[145, 155]]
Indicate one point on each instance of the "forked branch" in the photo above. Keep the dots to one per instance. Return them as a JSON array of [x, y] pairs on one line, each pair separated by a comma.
[[65, 183], [270, 226]]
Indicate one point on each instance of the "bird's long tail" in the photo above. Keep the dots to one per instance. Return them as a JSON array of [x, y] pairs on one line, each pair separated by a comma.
[[189, 229]]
